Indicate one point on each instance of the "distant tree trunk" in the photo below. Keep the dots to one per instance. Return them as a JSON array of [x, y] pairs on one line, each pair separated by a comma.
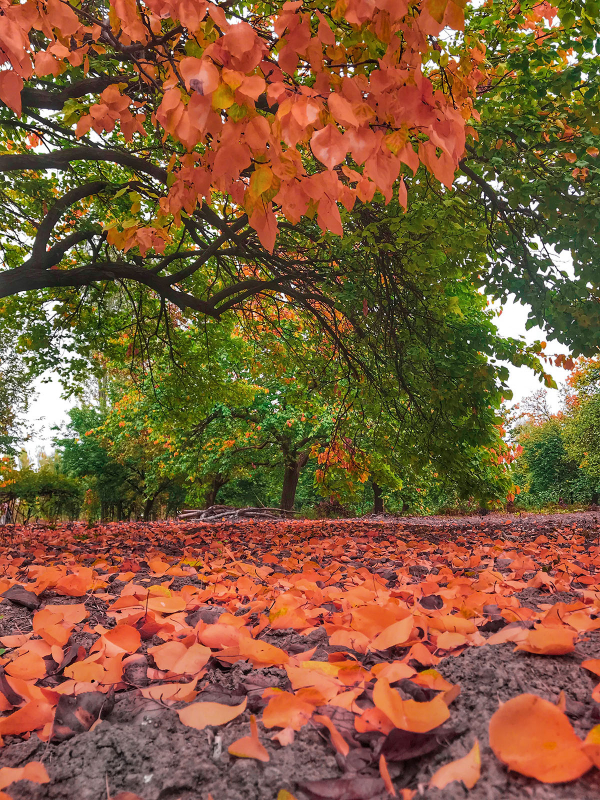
[[595, 497], [290, 481], [148, 505], [217, 483], [377, 499]]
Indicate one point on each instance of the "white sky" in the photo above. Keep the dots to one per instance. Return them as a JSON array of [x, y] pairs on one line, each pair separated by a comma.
[[522, 380], [49, 409]]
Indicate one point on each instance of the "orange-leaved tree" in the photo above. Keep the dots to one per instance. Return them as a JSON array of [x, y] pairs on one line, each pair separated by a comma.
[[155, 136]]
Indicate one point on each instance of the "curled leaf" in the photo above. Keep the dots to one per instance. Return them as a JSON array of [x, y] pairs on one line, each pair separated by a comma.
[[466, 769], [249, 746], [548, 641], [409, 714]]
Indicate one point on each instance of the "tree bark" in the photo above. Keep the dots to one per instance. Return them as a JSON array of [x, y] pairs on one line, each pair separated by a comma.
[[217, 483], [148, 506], [290, 481], [377, 499]]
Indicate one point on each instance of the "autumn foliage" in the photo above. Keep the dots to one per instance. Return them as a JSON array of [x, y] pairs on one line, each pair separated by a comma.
[[362, 615], [216, 85]]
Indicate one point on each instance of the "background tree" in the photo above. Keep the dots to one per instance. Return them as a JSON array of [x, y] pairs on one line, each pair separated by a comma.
[[582, 424]]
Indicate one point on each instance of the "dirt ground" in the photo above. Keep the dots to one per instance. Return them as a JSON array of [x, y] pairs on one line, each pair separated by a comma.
[[142, 747]]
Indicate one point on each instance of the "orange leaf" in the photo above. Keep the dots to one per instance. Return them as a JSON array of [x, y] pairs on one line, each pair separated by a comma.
[[533, 737], [396, 634], [285, 710], [409, 715], [432, 679], [385, 774], [393, 671], [219, 635], [11, 85], [29, 666], [338, 741], [32, 716], [548, 641], [328, 146], [166, 605], [35, 772], [122, 638], [76, 585], [171, 692], [249, 746], [373, 719], [262, 654], [466, 769], [592, 664], [450, 641], [71, 613], [591, 745], [284, 737], [201, 715]]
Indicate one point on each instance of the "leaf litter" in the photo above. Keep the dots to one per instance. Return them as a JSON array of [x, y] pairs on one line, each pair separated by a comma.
[[337, 660]]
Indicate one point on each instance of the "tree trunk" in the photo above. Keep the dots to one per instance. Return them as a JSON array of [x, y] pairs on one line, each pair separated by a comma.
[[377, 499], [290, 481], [217, 483], [148, 505]]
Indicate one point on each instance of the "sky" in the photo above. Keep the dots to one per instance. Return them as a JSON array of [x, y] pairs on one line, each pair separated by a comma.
[[49, 409]]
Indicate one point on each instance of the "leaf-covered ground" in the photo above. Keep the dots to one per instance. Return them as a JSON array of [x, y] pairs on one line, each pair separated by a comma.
[[311, 660]]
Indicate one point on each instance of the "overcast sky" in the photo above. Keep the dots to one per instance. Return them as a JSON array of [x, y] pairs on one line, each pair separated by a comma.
[[50, 409]]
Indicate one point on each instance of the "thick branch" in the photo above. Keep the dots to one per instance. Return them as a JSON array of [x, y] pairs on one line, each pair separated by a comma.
[[44, 231], [54, 101], [62, 158]]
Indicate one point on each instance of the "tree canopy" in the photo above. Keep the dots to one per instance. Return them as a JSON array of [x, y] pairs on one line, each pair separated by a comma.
[[209, 152]]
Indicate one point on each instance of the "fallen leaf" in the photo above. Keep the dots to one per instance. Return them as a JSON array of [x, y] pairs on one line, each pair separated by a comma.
[[249, 746], [285, 710], [31, 717], [466, 769], [409, 714], [34, 771], [358, 787], [591, 745], [548, 641], [592, 664], [532, 736], [201, 715], [28, 667], [396, 634], [338, 741], [22, 597], [402, 745], [385, 775], [122, 639]]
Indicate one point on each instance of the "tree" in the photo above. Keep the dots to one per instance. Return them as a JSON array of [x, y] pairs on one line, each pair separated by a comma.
[[125, 460], [547, 471], [236, 95], [582, 423], [227, 141], [84, 457], [15, 394], [45, 492]]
